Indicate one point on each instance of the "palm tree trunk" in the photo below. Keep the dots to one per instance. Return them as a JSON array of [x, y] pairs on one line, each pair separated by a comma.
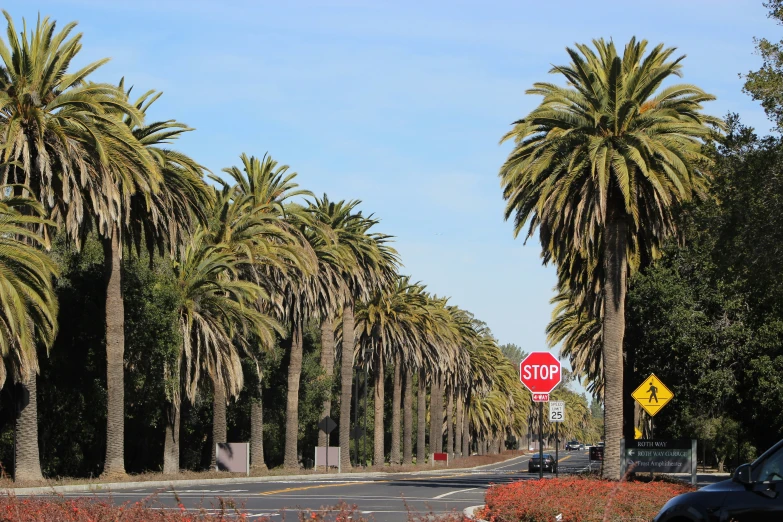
[[450, 422], [327, 363], [629, 381], [257, 432], [396, 407], [115, 358], [458, 425], [466, 425], [291, 460], [346, 376], [615, 269], [421, 428], [378, 430], [218, 418], [171, 444], [433, 414], [439, 415], [407, 419], [27, 460]]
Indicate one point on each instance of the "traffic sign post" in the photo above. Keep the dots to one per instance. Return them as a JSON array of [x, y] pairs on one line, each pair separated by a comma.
[[557, 415], [327, 425], [540, 372]]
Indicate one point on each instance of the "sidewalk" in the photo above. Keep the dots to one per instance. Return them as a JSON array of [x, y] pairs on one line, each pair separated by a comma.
[[151, 484]]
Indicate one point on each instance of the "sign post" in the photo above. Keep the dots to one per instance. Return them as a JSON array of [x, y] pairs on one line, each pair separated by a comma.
[[557, 415], [327, 425], [540, 372]]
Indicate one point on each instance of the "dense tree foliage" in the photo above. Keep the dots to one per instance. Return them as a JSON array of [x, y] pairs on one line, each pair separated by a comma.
[[707, 317]]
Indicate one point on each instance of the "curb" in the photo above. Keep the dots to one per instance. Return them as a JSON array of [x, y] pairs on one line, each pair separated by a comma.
[[116, 486], [469, 513]]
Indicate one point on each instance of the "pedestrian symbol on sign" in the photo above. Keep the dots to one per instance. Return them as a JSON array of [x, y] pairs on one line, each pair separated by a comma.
[[653, 391]]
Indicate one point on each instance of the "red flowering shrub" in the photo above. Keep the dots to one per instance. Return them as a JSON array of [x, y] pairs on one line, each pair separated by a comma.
[[14, 509], [578, 500], [59, 509]]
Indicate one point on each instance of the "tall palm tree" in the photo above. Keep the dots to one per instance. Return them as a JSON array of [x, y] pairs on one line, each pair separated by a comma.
[[389, 321], [28, 315], [70, 146], [369, 264], [217, 318], [166, 219], [279, 252], [598, 168], [339, 220]]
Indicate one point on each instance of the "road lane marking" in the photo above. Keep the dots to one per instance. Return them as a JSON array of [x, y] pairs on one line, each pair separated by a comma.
[[434, 477], [452, 492], [303, 488], [336, 484]]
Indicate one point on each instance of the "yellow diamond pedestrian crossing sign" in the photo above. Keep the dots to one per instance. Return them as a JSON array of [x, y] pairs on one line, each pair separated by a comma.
[[652, 395]]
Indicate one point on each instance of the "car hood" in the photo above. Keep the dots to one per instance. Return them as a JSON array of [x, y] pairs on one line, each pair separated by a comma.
[[699, 503]]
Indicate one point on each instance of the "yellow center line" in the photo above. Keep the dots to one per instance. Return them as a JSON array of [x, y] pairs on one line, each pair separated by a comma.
[[303, 488], [337, 484], [566, 458], [431, 477]]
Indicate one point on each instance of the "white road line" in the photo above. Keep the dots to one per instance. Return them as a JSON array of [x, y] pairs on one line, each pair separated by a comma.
[[452, 492]]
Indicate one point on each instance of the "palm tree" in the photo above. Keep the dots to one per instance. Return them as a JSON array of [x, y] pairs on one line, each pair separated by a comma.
[[262, 189], [389, 321], [166, 219], [598, 168], [217, 315], [70, 147], [305, 296], [28, 315], [336, 218], [368, 264]]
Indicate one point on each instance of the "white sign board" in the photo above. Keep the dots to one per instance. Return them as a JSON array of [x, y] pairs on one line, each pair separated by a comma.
[[556, 411]]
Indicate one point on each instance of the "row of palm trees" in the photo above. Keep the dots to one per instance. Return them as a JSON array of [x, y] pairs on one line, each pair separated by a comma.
[[255, 258]]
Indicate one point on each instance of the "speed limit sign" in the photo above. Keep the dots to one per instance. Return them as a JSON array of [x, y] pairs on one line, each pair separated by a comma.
[[556, 411]]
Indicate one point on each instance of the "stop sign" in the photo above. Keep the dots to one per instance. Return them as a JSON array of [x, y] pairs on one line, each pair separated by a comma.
[[540, 372]]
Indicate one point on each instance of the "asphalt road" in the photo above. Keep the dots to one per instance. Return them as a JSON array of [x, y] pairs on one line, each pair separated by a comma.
[[387, 498]]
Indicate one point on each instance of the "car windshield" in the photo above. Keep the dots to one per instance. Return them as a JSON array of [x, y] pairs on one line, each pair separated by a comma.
[[771, 470]]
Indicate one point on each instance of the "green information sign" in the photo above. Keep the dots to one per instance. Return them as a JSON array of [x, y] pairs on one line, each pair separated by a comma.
[[659, 456]]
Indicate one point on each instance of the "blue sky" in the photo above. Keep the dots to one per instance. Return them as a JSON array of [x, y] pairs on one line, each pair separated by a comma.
[[399, 104]]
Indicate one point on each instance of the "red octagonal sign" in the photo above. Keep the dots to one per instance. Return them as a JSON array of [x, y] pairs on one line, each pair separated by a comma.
[[540, 372]]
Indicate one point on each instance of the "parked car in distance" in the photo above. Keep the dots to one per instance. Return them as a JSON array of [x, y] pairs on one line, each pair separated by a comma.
[[572, 445], [549, 463], [753, 494]]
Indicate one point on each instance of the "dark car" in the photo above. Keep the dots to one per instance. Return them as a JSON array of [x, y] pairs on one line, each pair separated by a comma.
[[573, 445], [535, 463], [753, 494]]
